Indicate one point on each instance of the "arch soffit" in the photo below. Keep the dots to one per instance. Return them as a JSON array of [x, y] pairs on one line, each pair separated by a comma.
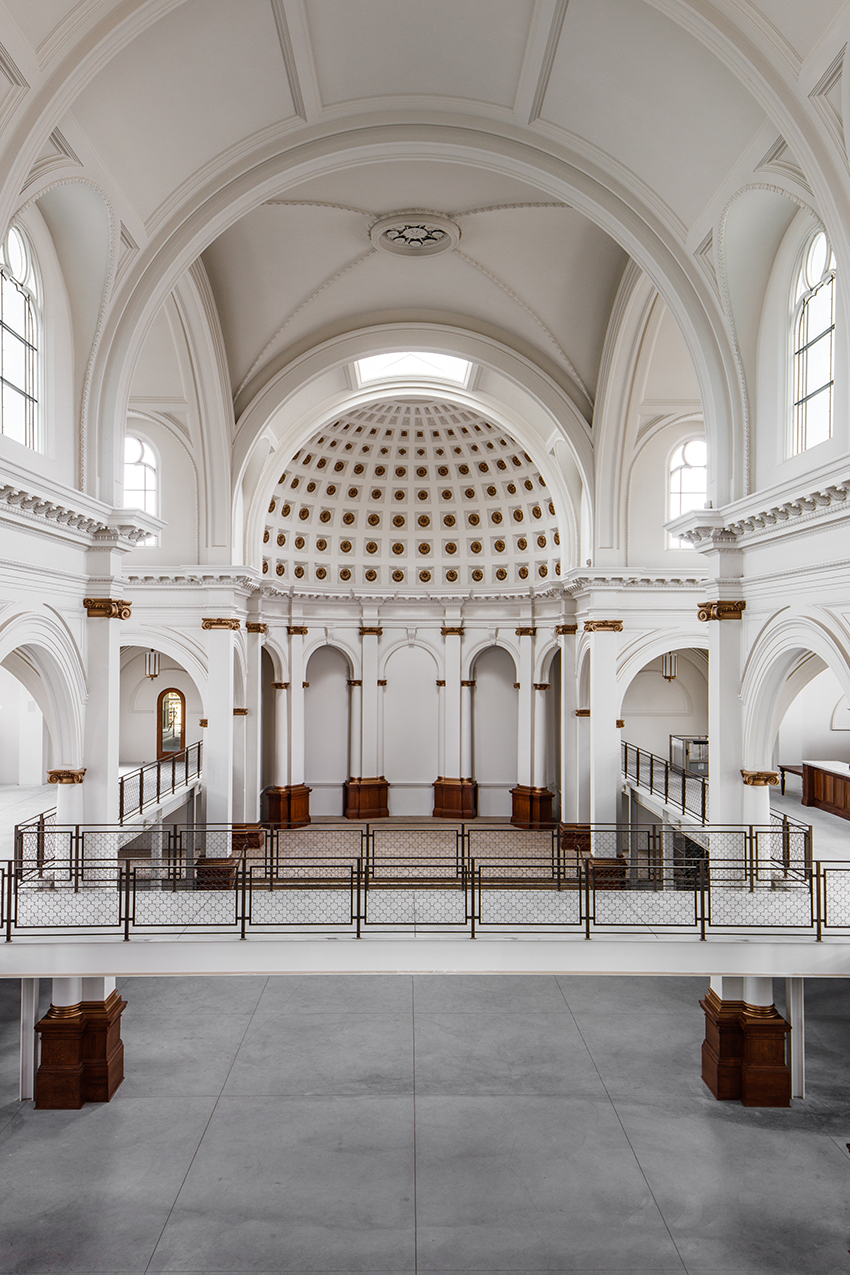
[[543, 659], [278, 656], [772, 657], [656, 247], [486, 644], [187, 653], [49, 646], [348, 653], [385, 656]]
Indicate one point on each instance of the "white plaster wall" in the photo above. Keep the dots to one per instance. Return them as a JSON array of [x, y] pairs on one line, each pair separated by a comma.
[[139, 695], [807, 733], [21, 735], [654, 709], [326, 729], [178, 494], [647, 496], [410, 730], [494, 745]]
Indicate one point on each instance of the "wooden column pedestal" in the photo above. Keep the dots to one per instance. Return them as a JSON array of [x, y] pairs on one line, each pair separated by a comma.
[[289, 807], [215, 874], [248, 836], [531, 808], [82, 1054], [455, 798], [743, 1054], [366, 798]]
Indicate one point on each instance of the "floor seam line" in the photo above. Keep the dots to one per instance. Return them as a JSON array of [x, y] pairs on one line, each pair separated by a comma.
[[206, 1127], [623, 1127]]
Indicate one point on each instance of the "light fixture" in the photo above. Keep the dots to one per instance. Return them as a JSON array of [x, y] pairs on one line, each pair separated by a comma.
[[669, 666], [152, 664]]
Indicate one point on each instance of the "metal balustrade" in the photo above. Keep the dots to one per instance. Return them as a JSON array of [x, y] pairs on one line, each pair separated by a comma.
[[476, 879], [148, 785]]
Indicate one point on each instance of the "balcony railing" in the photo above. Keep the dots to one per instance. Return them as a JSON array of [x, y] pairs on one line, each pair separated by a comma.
[[148, 785], [689, 793], [475, 879]]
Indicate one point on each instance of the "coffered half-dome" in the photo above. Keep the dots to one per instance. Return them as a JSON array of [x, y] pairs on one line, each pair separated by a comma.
[[421, 496]]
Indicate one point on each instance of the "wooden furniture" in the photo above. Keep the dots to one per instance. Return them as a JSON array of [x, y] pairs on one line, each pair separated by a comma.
[[531, 807], [744, 1053], [455, 798], [790, 770], [82, 1054], [289, 807], [826, 785], [366, 798]]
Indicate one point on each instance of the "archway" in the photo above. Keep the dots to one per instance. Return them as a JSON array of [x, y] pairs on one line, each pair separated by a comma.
[[494, 732]]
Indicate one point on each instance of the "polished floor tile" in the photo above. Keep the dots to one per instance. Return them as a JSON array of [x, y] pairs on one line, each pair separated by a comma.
[[487, 994]]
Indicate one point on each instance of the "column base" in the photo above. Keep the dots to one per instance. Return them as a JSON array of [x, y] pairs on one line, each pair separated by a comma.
[[531, 807], [743, 1054], [366, 798], [82, 1054], [608, 874], [215, 874], [723, 1047], [575, 839], [455, 798], [248, 836], [289, 807]]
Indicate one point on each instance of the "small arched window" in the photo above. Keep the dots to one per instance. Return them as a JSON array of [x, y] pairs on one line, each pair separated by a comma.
[[19, 333], [687, 481], [171, 722], [140, 476], [814, 340]]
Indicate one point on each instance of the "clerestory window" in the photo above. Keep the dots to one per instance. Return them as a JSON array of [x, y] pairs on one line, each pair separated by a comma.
[[813, 345], [687, 485], [141, 489], [19, 340]]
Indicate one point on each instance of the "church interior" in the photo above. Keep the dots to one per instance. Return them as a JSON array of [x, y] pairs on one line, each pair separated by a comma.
[[424, 493]]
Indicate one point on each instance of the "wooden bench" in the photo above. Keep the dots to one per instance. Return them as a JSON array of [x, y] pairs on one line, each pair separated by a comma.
[[792, 770]]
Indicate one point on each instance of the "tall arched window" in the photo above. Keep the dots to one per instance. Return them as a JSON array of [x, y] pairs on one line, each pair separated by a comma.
[[171, 722], [140, 476], [814, 333], [687, 481], [19, 332]]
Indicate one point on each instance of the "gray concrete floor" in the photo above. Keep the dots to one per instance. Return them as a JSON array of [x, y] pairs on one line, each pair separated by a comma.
[[442, 1124]]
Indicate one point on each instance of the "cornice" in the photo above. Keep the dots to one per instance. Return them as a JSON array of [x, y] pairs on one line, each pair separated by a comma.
[[736, 528], [612, 582], [82, 525]]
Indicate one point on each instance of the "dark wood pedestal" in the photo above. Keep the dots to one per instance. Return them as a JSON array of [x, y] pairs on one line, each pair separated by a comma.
[[455, 798], [765, 1075], [248, 836], [289, 807], [723, 1047], [82, 1054], [215, 874], [743, 1054], [366, 798], [608, 874], [532, 807]]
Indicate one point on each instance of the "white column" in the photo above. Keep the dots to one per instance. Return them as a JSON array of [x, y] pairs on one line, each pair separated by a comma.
[[758, 992], [103, 709], [297, 633], [218, 741], [29, 1039], [69, 795], [370, 707], [66, 992], [727, 988], [97, 989], [239, 766], [796, 1015], [525, 706], [441, 728], [466, 689], [569, 725], [725, 720], [453, 712], [281, 735], [583, 765], [540, 773], [355, 727], [254, 722], [605, 777]]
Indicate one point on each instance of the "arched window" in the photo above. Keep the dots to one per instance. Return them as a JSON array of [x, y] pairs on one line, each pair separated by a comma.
[[687, 484], [140, 477], [19, 332], [813, 333], [171, 722]]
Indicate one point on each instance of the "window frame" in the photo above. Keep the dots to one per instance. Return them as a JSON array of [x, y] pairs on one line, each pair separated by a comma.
[[796, 444], [160, 751], [675, 542], [31, 286]]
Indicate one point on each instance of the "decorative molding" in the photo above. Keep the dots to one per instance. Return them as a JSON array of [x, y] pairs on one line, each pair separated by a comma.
[[620, 723], [204, 721], [215, 623], [760, 778], [50, 514], [355, 681], [469, 684], [720, 610], [280, 686], [582, 712], [66, 776], [288, 54], [413, 233], [441, 681], [305, 686], [574, 583], [731, 528], [780, 160], [517, 685], [542, 686], [825, 97], [60, 154], [240, 712], [562, 630], [527, 631], [107, 608], [371, 631], [552, 40], [451, 631], [252, 627], [382, 681], [603, 626], [297, 630]]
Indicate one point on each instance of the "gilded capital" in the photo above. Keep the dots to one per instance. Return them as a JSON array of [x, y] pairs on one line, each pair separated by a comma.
[[542, 686], [215, 623], [721, 610], [107, 608], [297, 630], [371, 631], [603, 626], [562, 629], [240, 712], [253, 627], [66, 776], [760, 778], [280, 686], [452, 630], [527, 631]]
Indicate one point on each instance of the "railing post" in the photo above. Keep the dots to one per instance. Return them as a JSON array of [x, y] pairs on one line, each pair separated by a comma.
[[652, 772], [587, 871], [472, 916], [244, 894], [666, 782], [127, 871], [702, 900], [703, 792], [9, 900], [359, 875], [818, 902]]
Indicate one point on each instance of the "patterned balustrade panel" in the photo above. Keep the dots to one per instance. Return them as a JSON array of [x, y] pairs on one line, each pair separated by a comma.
[[627, 908], [64, 901], [510, 843], [501, 906], [202, 909], [765, 906], [399, 852], [288, 845], [836, 898], [303, 906]]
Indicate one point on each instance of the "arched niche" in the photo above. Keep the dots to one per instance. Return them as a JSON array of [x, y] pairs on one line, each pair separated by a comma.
[[138, 739], [410, 730], [654, 708], [326, 729], [494, 734]]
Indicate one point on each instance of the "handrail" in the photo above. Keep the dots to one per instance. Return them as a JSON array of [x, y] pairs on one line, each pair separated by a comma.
[[689, 793], [158, 779]]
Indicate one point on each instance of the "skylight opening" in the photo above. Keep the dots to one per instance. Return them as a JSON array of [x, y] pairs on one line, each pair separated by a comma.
[[413, 364]]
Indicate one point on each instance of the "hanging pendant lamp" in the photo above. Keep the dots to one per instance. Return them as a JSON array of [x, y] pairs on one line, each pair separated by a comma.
[[669, 666], [152, 664]]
